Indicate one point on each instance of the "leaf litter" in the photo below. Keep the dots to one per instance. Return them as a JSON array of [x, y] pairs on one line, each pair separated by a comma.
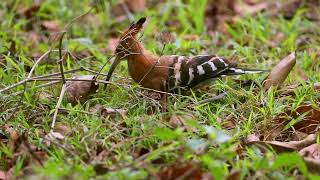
[[80, 92]]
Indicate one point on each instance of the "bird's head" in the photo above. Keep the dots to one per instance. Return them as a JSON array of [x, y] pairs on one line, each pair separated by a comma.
[[128, 42]]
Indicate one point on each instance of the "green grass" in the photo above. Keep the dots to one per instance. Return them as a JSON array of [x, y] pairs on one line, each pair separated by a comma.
[[247, 41]]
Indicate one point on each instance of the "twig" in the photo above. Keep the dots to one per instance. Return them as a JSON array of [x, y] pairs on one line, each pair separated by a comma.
[[63, 90], [60, 58], [46, 76], [34, 67], [64, 86], [59, 73], [36, 87], [215, 98]]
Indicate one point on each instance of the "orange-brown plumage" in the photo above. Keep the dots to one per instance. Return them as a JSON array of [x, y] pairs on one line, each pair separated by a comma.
[[166, 73]]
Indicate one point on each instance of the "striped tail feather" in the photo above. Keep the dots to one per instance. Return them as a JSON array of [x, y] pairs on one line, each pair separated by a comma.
[[239, 71]]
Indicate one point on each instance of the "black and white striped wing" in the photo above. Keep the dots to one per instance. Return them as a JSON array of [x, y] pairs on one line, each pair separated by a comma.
[[188, 72]]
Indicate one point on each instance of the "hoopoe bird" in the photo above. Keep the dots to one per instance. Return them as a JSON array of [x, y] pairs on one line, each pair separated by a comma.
[[169, 72]]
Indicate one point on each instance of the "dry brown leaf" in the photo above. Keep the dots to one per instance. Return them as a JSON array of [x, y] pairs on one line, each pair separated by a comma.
[[312, 164], [280, 72], [52, 136], [178, 120], [79, 91], [183, 171], [109, 112], [31, 11], [53, 26], [285, 146], [136, 5], [316, 86], [311, 121], [312, 151], [166, 37], [63, 130], [311, 156], [3, 175], [14, 136], [244, 9], [34, 39], [234, 175]]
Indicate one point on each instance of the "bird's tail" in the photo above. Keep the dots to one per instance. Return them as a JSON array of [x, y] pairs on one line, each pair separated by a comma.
[[239, 71]]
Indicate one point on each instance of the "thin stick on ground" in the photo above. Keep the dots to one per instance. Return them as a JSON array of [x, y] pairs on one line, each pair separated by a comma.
[[215, 98], [63, 90], [36, 87], [38, 77], [64, 86]]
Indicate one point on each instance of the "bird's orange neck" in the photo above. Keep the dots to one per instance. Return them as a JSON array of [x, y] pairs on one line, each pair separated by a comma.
[[140, 64]]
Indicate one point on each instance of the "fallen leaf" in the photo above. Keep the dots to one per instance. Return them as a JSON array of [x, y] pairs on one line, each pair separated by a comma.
[[31, 11], [63, 130], [14, 136], [3, 175], [166, 37], [109, 112], [312, 164], [179, 120], [312, 151], [52, 136], [79, 91], [53, 26], [311, 156], [234, 175], [280, 72], [136, 5], [183, 171], [311, 120], [34, 38], [316, 86], [285, 146], [244, 9]]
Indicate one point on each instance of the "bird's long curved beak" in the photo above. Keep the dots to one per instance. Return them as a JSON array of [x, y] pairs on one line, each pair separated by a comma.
[[112, 68]]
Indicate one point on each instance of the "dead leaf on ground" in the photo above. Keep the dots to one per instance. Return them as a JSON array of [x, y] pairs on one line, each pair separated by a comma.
[[63, 129], [3, 175], [290, 8], [109, 112], [79, 91], [179, 120], [284, 146], [32, 155], [311, 156], [311, 121], [13, 137], [52, 136], [52, 26], [31, 11], [244, 9], [166, 37], [227, 123], [34, 39], [136, 5], [234, 175], [280, 72], [316, 86], [183, 171]]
